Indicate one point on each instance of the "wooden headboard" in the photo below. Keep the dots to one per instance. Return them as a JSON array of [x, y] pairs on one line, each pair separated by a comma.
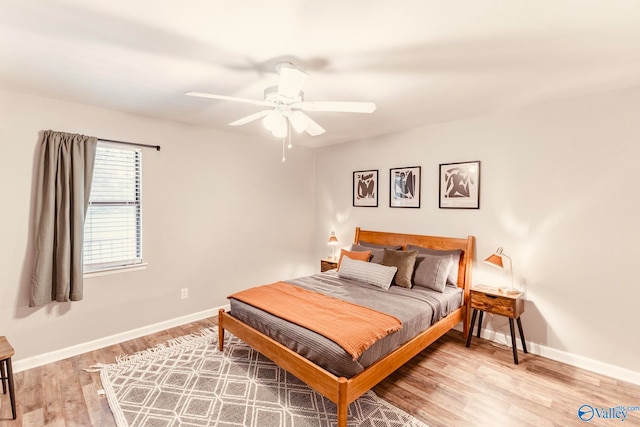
[[435, 242]]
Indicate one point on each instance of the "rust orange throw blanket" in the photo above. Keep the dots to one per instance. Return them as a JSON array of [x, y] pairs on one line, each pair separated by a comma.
[[353, 327]]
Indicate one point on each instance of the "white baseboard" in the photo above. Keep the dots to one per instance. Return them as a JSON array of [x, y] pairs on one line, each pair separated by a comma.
[[582, 362], [54, 356]]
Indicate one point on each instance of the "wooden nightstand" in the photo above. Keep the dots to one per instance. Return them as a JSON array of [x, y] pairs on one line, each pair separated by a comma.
[[485, 298], [328, 264]]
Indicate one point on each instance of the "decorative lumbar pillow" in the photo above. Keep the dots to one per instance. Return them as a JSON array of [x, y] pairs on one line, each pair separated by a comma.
[[431, 271], [362, 271], [360, 256], [456, 253], [376, 253], [404, 261]]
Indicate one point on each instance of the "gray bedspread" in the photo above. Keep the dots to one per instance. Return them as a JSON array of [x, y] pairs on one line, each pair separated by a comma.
[[417, 309]]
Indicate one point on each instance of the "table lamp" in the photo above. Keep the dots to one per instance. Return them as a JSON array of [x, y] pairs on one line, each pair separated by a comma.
[[333, 241], [496, 259]]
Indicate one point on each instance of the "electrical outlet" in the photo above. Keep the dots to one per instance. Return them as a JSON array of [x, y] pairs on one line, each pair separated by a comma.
[[184, 293]]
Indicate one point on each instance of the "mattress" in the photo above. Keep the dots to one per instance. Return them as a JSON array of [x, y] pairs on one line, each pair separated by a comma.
[[416, 308]]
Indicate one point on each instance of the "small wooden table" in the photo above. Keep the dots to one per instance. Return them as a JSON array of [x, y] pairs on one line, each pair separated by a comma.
[[492, 300], [6, 372], [328, 264]]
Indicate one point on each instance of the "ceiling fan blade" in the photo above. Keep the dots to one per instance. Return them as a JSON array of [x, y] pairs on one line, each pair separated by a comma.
[[342, 107], [291, 81], [250, 118], [299, 120], [313, 128], [230, 98]]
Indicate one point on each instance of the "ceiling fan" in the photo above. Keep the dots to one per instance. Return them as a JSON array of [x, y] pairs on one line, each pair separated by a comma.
[[288, 105]]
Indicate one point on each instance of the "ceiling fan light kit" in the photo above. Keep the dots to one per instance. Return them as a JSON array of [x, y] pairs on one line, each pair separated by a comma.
[[281, 129], [288, 105]]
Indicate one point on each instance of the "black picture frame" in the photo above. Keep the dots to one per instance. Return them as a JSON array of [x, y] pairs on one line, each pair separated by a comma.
[[365, 188], [405, 187], [459, 185]]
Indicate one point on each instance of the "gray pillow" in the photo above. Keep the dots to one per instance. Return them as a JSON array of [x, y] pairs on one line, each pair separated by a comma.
[[374, 274], [431, 271], [453, 274], [404, 261], [376, 253], [375, 245]]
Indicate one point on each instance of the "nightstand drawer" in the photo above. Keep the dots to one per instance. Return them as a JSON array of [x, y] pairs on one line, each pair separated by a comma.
[[508, 303], [327, 264], [494, 304]]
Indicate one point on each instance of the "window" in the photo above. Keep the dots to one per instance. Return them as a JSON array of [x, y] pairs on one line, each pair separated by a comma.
[[113, 225]]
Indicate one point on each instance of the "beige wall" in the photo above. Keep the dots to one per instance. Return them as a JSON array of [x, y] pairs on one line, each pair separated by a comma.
[[558, 192], [219, 213]]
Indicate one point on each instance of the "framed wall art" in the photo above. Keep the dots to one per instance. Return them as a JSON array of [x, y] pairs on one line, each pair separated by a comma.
[[404, 187], [365, 188], [460, 185]]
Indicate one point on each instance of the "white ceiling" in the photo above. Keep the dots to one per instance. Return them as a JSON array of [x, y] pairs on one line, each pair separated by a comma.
[[420, 61]]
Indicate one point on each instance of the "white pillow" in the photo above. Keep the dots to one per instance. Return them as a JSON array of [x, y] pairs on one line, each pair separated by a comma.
[[368, 272]]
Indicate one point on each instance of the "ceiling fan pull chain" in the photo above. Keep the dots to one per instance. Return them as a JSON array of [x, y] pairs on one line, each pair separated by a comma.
[[289, 132], [283, 158]]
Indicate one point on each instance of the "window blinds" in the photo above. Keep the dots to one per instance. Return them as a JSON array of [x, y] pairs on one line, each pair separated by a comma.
[[112, 230]]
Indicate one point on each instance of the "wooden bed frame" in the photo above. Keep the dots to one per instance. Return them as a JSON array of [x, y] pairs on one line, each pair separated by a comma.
[[340, 390]]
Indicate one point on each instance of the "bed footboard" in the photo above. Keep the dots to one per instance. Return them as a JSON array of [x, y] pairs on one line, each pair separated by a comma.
[[340, 390]]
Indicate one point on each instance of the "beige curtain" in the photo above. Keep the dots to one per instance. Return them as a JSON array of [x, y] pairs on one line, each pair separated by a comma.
[[62, 196]]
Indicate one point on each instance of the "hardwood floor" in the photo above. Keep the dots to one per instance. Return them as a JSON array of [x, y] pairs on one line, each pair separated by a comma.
[[445, 385], [451, 385]]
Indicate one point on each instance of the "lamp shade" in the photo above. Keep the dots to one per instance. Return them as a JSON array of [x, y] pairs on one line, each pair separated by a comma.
[[495, 259], [271, 120], [281, 129]]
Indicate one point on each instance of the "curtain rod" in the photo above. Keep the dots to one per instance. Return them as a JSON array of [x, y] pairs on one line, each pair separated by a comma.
[[157, 147]]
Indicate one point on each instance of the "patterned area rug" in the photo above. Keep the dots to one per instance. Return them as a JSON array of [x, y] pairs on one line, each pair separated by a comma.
[[189, 382]]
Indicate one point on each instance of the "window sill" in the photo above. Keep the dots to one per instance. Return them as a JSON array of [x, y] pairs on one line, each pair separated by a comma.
[[115, 270]]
